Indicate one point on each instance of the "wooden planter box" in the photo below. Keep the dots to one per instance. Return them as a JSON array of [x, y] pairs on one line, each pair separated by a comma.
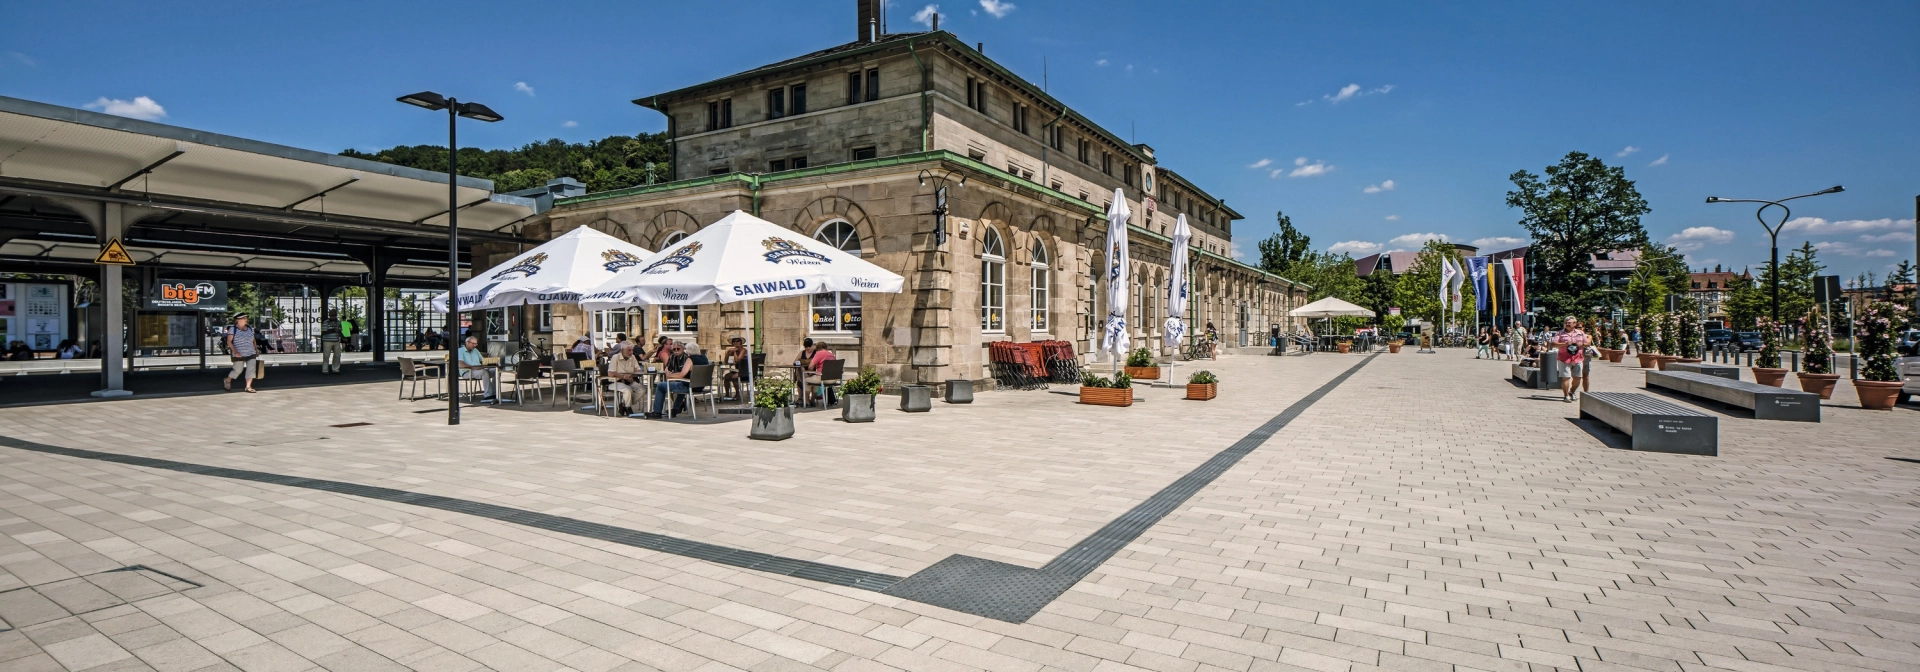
[[1202, 391], [1142, 372], [1106, 396]]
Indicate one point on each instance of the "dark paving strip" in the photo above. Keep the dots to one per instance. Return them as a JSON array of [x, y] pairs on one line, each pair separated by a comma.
[[976, 586], [1904, 459], [656, 542], [1014, 594]]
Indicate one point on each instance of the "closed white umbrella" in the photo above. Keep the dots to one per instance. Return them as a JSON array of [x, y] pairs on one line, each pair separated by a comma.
[[1177, 284], [1116, 339], [557, 271], [740, 258]]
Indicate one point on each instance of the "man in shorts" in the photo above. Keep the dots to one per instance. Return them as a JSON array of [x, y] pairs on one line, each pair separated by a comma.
[[1570, 348]]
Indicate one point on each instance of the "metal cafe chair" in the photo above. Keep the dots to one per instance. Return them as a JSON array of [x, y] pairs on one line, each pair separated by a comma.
[[526, 373], [699, 384], [567, 375], [414, 373]]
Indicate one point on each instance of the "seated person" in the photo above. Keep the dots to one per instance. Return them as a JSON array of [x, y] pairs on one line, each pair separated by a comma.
[[472, 366], [68, 349], [678, 369], [19, 352], [582, 350], [662, 349], [624, 369], [735, 360], [698, 356], [822, 353]]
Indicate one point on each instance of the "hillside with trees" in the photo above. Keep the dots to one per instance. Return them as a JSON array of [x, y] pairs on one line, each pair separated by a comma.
[[609, 163]]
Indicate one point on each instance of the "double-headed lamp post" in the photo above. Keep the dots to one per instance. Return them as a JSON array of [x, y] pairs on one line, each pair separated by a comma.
[[455, 109], [1773, 233], [940, 202]]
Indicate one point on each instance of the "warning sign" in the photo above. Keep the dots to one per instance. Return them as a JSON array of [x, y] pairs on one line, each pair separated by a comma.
[[114, 253]]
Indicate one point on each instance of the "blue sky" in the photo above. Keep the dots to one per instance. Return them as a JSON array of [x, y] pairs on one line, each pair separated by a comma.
[[1444, 100]]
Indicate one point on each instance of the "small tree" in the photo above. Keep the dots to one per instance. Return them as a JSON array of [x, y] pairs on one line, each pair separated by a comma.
[[1649, 329], [1769, 344], [1819, 357], [1874, 329], [1669, 334], [1689, 332]]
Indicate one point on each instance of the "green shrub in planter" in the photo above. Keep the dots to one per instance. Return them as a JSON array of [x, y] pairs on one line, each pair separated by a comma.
[[772, 416], [1769, 357], [868, 382], [1120, 381], [1140, 357], [1202, 378], [1819, 356], [773, 393]]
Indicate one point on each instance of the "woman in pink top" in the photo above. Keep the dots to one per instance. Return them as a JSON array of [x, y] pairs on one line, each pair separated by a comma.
[[1570, 347]]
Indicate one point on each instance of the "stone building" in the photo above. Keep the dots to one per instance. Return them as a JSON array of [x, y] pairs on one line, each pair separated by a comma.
[[853, 145]]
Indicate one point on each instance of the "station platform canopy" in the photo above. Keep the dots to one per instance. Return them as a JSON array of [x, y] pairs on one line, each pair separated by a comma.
[[214, 206]]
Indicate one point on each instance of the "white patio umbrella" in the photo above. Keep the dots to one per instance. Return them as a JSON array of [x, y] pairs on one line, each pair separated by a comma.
[[557, 271], [1330, 307], [1176, 327], [1116, 338], [740, 258]]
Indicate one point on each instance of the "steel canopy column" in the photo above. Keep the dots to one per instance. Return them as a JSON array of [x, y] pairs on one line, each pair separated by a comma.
[[377, 304], [112, 366]]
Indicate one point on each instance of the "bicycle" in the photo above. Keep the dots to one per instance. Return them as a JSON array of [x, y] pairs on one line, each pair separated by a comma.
[[1197, 349]]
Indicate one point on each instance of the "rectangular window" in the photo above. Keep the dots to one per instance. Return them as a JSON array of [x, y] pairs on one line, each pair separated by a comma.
[[726, 113], [993, 295], [836, 312], [972, 88], [1020, 118], [1106, 163], [713, 115], [1041, 276], [717, 170], [776, 165], [797, 163], [977, 95], [873, 84], [798, 97], [776, 103], [853, 88], [546, 317], [1128, 169], [679, 319], [863, 153]]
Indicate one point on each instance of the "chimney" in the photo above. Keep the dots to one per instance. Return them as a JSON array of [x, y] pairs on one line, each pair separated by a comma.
[[869, 15]]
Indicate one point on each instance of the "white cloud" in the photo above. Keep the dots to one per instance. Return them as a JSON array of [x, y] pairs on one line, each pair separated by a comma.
[[1497, 243], [1393, 218], [140, 107], [1377, 188], [1261, 164], [1346, 93], [570, 124], [925, 15], [1233, 250], [523, 88], [1846, 249], [1892, 237], [1101, 62], [1818, 226], [22, 58], [1625, 152], [1694, 238], [997, 8], [1355, 247], [1659, 161], [1413, 240], [1304, 169]]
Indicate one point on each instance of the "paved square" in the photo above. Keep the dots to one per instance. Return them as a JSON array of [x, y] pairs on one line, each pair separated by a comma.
[[1424, 514]]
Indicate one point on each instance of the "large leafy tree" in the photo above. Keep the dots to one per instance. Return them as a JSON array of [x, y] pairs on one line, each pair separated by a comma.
[[1747, 301], [1281, 251], [1580, 208]]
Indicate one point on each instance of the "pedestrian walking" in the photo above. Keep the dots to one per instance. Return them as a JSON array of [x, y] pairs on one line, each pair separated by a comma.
[[245, 351], [1570, 348], [330, 346], [1483, 345]]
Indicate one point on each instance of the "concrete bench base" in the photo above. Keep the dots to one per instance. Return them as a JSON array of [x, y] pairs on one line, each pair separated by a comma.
[[1655, 425], [1715, 370], [1536, 378], [1766, 402]]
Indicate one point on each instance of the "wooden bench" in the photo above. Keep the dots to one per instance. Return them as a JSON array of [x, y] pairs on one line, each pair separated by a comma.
[[1766, 402], [1535, 377], [1656, 425], [1727, 372]]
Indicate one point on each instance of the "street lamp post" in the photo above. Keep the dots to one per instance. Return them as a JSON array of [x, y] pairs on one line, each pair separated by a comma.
[[1773, 233], [455, 109], [940, 202]]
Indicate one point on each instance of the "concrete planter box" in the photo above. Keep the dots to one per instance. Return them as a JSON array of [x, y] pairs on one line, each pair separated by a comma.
[[1106, 396], [916, 398], [1142, 372], [772, 424], [959, 391], [857, 408], [1202, 391]]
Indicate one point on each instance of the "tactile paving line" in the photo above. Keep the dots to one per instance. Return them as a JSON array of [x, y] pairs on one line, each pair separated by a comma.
[[1012, 593], [977, 586]]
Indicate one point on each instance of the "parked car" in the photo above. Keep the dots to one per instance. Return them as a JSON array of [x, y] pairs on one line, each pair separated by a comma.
[[1719, 337], [1909, 368], [1908, 343], [1748, 341]]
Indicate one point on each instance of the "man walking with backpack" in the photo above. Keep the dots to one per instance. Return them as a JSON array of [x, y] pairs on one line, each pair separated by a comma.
[[330, 344]]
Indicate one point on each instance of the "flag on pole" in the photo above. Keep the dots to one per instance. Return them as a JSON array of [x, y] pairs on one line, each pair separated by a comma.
[[1459, 278], [1477, 267], [1115, 338], [1176, 327], [1517, 279], [1447, 273]]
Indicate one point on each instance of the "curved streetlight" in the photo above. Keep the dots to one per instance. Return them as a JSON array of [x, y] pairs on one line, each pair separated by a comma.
[[1773, 231], [455, 109], [940, 201]]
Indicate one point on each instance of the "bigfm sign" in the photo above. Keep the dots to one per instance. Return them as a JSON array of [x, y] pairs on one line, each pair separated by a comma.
[[187, 295]]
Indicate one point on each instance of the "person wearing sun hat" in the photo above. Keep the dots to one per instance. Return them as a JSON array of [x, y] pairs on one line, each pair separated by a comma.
[[240, 345]]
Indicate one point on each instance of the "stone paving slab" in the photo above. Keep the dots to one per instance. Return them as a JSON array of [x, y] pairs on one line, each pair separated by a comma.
[[1424, 515]]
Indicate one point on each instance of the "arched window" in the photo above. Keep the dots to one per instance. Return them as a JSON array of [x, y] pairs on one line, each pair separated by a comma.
[[837, 312], [678, 319], [993, 281], [1042, 276]]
